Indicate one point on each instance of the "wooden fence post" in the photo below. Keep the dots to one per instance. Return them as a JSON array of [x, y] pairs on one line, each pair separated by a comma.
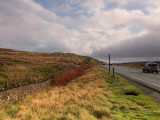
[[113, 73], [44, 77], [38, 76], [109, 63], [15, 79], [7, 82], [26, 78], [20, 78], [31, 77]]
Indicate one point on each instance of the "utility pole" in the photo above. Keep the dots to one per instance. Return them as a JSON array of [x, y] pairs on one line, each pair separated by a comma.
[[113, 73], [109, 63]]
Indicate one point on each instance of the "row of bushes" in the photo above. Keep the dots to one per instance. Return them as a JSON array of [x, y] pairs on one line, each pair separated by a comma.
[[64, 78]]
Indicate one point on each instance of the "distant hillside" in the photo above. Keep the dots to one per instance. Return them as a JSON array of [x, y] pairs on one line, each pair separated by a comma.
[[139, 65], [16, 64]]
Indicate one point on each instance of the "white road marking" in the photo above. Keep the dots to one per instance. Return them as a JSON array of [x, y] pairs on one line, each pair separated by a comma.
[[139, 79]]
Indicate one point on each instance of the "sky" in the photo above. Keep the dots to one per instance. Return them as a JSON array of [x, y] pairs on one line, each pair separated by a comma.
[[129, 30]]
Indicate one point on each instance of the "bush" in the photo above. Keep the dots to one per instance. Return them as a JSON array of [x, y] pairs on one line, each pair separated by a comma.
[[64, 78]]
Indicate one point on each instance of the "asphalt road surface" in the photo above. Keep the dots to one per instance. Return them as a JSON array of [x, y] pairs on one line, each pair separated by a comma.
[[151, 80]]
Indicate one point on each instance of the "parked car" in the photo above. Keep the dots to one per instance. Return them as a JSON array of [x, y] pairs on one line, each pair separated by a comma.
[[103, 64], [151, 67]]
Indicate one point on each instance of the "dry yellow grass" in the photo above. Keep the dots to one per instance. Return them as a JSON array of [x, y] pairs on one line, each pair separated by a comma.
[[95, 95], [84, 98], [20, 63]]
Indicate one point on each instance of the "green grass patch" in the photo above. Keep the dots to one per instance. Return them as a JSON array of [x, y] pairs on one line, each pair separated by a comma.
[[1, 116], [100, 113], [2, 80], [93, 96], [2, 76], [128, 102], [12, 110], [49, 69], [131, 90]]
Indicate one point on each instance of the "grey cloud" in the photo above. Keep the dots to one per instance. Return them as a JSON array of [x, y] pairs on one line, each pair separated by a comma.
[[147, 46], [24, 26], [28, 26], [52, 48]]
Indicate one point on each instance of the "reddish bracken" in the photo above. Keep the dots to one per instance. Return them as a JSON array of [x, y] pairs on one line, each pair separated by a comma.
[[64, 78]]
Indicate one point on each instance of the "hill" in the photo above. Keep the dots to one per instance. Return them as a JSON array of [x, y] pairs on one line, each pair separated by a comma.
[[93, 96], [18, 66], [138, 65]]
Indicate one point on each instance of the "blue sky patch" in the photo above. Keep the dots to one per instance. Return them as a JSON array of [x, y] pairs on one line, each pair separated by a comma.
[[111, 5], [63, 8], [134, 29], [133, 5]]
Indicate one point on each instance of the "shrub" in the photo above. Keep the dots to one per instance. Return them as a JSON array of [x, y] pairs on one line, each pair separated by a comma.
[[64, 78]]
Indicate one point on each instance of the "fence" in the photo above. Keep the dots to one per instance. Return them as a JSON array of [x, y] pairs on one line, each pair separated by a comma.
[[22, 79], [59, 79]]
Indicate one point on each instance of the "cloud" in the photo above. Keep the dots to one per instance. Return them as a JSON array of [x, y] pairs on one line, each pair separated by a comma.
[[92, 29], [140, 47], [26, 25], [94, 5]]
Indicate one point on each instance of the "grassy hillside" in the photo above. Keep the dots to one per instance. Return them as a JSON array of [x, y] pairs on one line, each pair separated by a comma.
[[20, 65], [93, 96], [139, 65]]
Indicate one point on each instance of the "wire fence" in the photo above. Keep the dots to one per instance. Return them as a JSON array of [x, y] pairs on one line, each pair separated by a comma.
[[21, 79], [17, 80]]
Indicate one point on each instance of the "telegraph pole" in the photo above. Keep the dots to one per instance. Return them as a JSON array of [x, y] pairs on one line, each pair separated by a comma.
[[109, 63]]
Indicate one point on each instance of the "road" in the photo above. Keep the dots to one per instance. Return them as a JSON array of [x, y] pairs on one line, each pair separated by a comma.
[[151, 80]]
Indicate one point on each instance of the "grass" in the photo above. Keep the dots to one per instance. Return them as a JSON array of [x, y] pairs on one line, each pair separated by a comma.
[[93, 96], [16, 64], [131, 90], [12, 111], [129, 103], [2, 78], [138, 65], [83, 98]]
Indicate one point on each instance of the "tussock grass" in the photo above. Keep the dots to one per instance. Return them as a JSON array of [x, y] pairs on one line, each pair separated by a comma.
[[21, 65], [82, 98], [131, 90], [93, 96], [128, 102]]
